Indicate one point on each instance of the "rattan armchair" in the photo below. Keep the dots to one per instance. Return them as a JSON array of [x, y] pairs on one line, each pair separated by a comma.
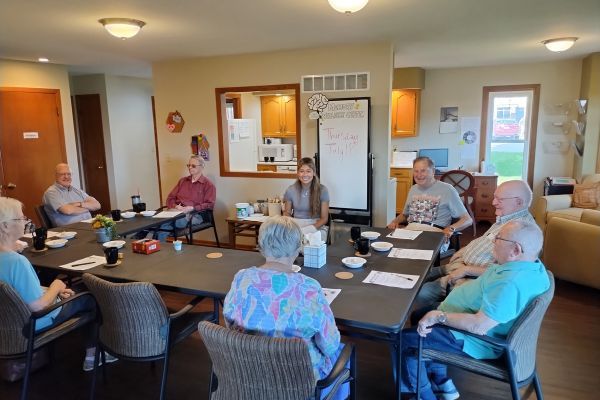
[[248, 367], [18, 337], [517, 365], [135, 324]]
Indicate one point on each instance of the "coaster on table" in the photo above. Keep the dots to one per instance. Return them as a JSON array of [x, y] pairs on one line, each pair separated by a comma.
[[350, 241], [214, 255], [357, 254], [39, 251], [344, 275], [113, 265], [121, 255]]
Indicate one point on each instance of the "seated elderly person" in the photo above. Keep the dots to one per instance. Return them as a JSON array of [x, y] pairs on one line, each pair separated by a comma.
[[64, 203], [192, 193], [18, 272], [511, 200], [431, 204], [488, 305], [273, 300]]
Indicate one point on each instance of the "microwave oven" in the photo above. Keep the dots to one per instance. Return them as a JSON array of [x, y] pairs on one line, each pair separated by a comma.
[[279, 152]]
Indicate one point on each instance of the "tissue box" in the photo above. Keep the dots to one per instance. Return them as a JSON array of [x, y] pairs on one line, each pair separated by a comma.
[[315, 256], [145, 246]]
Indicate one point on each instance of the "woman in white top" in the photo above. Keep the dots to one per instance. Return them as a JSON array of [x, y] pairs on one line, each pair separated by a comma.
[[307, 200]]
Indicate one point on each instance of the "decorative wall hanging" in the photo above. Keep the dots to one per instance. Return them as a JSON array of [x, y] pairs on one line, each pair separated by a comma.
[[317, 103], [200, 146], [175, 122]]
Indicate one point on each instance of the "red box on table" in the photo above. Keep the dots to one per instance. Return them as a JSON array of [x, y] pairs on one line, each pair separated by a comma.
[[145, 246]]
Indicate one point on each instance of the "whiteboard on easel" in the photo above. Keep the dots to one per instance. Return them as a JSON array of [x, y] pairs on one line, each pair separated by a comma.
[[343, 136]]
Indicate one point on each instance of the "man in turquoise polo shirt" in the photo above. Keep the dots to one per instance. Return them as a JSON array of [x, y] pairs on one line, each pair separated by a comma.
[[489, 305]]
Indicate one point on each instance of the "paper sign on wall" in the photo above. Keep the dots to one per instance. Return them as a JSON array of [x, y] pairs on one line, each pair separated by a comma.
[[31, 135]]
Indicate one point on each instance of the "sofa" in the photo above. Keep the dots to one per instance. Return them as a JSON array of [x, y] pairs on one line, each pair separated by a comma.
[[572, 248], [560, 205]]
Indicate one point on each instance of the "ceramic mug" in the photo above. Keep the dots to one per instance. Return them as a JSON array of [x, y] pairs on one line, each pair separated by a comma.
[[355, 232], [39, 242], [112, 255], [362, 245], [116, 215]]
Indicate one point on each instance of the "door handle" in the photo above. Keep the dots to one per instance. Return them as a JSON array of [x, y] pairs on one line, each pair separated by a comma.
[[11, 185], [100, 166]]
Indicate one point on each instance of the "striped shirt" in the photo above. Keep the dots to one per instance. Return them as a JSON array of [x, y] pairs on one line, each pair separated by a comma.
[[479, 251]]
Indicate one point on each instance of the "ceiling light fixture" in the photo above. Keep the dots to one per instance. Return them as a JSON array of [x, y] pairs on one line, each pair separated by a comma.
[[560, 44], [43, 59], [123, 28], [347, 6]]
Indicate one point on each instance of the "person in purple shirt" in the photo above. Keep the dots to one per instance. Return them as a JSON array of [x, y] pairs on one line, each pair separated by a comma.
[[194, 192]]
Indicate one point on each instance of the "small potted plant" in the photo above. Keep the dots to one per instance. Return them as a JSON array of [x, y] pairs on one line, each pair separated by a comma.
[[105, 228]]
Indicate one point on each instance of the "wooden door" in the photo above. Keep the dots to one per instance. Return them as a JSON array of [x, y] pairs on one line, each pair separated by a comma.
[[403, 184], [91, 139], [288, 110], [31, 144], [405, 115], [270, 114]]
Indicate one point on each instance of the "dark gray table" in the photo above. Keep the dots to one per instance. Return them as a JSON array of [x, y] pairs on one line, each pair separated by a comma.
[[367, 310], [126, 226]]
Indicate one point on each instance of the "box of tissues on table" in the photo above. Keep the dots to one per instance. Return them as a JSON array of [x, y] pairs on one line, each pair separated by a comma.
[[315, 250]]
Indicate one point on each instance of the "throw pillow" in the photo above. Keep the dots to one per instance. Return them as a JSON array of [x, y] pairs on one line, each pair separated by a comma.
[[587, 196]]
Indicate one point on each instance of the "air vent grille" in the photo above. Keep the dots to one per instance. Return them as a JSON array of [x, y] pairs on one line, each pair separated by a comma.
[[335, 82]]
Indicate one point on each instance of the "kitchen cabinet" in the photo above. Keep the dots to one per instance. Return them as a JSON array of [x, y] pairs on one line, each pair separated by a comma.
[[485, 186], [266, 167], [404, 180], [405, 112], [278, 116]]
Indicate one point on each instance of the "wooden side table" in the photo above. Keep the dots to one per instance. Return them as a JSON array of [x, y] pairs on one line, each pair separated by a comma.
[[239, 227]]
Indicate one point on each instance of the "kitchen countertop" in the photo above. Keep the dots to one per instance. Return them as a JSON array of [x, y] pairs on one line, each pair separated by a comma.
[[278, 163]]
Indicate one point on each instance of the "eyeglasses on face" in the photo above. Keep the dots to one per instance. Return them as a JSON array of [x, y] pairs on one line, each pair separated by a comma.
[[64, 174], [510, 241], [501, 199], [193, 165]]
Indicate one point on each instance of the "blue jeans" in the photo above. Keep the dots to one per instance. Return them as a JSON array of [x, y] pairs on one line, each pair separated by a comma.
[[179, 224], [439, 339]]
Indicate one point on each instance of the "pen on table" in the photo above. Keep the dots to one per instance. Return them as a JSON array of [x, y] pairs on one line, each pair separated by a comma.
[[404, 277], [85, 263]]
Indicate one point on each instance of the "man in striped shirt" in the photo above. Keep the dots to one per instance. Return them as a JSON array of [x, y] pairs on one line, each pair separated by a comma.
[[511, 200]]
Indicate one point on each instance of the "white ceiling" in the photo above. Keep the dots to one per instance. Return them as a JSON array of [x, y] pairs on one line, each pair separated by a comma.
[[425, 33]]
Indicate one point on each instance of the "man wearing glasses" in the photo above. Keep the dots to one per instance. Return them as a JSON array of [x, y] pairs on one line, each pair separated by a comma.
[[511, 200], [488, 305], [64, 203], [194, 192]]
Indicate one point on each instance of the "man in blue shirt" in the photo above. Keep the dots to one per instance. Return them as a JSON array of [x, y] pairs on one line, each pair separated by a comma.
[[489, 305]]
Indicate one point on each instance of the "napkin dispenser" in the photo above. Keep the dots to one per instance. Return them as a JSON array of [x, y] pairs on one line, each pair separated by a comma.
[[145, 246]]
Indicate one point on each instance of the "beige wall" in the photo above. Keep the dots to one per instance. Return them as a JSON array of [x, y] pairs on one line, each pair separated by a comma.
[[590, 90], [45, 76], [463, 87], [126, 108], [188, 86]]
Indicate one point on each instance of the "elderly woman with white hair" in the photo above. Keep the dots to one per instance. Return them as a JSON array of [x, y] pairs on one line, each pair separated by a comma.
[[17, 271], [273, 300]]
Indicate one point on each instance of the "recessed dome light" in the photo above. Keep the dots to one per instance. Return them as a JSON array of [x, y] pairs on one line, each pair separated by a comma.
[[43, 59], [559, 44]]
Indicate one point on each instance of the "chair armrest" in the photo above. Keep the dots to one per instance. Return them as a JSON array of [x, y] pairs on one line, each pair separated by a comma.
[[186, 308], [49, 309], [488, 339], [338, 367]]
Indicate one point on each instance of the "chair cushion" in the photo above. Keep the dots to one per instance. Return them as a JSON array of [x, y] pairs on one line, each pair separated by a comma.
[[571, 213], [587, 195]]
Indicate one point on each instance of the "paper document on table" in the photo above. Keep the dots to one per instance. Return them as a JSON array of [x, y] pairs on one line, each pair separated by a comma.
[[89, 221], [331, 294], [85, 263], [404, 234], [392, 279], [167, 214], [412, 254], [49, 235], [256, 218]]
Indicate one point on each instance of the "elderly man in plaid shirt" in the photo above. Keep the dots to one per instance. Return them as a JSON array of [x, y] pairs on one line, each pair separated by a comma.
[[511, 200]]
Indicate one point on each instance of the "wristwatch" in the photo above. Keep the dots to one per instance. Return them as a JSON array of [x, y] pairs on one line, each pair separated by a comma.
[[452, 229], [442, 318]]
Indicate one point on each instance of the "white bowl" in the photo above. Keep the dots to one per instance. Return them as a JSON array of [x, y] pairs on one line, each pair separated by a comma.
[[354, 262], [67, 235], [381, 246], [56, 243], [148, 213], [370, 235], [114, 243], [296, 268], [128, 214]]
